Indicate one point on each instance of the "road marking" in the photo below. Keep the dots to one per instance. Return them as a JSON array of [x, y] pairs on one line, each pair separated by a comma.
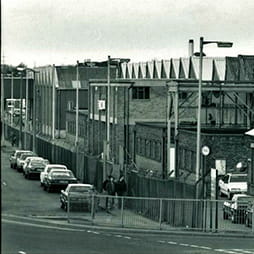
[[160, 241], [40, 226], [244, 251], [205, 248], [21, 252], [185, 244], [227, 251], [127, 237], [194, 246], [118, 236], [4, 183], [172, 242]]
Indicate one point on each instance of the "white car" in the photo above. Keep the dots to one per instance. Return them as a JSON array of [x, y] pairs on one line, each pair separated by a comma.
[[14, 156], [48, 168], [233, 183], [21, 159]]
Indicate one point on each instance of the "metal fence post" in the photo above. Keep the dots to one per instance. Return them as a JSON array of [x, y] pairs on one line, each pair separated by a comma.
[[68, 209], [122, 212], [160, 218], [252, 219], [92, 208]]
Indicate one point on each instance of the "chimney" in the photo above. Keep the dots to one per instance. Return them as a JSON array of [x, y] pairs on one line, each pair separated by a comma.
[[191, 48]]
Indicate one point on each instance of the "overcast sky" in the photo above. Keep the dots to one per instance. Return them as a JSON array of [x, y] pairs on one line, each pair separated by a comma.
[[41, 32]]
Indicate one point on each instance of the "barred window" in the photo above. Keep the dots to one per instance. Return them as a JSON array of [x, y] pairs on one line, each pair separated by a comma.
[[141, 93]]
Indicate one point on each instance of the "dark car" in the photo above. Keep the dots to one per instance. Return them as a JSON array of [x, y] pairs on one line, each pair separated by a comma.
[[79, 196], [236, 209], [34, 167], [59, 179]]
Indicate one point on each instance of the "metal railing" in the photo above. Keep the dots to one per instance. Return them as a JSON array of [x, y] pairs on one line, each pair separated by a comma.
[[162, 214]]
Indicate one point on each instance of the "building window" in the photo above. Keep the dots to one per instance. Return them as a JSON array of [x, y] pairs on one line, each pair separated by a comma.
[[141, 93]]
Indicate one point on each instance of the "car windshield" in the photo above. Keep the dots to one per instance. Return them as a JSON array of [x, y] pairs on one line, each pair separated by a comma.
[[246, 199], [81, 189], [55, 167], [62, 174], [240, 178], [38, 163], [18, 154], [24, 156]]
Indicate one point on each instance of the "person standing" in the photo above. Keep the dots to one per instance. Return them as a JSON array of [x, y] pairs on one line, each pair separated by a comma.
[[121, 188], [110, 188]]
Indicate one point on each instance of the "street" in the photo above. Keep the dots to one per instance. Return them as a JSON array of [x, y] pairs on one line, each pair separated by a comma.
[[29, 238], [24, 200]]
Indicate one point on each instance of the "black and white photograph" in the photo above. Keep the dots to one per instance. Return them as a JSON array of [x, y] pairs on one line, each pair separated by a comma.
[[127, 127]]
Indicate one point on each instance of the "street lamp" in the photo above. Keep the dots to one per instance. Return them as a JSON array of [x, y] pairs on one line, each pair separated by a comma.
[[110, 62], [220, 44], [21, 70]]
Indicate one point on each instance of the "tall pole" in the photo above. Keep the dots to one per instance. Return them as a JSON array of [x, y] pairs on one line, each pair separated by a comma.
[[199, 113], [2, 108], [108, 109], [53, 104], [34, 114], [12, 108], [168, 132], [77, 115], [21, 109], [26, 110]]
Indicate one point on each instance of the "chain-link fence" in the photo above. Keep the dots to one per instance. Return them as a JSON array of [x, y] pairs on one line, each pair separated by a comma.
[[163, 214]]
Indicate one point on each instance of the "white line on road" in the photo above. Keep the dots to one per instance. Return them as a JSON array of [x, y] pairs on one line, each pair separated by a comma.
[[118, 236], [244, 251], [127, 237], [205, 248], [172, 242], [185, 244], [21, 252], [40, 226]]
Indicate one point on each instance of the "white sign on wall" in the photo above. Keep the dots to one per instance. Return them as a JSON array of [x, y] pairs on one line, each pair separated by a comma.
[[101, 104], [220, 165]]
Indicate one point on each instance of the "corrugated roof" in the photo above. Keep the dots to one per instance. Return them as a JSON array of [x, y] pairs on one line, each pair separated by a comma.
[[175, 65], [158, 65], [220, 66]]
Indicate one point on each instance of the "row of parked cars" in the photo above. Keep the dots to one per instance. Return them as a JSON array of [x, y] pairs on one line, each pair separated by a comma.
[[239, 207], [52, 177]]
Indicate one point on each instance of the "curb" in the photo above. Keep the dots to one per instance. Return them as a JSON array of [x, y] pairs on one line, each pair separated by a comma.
[[54, 220]]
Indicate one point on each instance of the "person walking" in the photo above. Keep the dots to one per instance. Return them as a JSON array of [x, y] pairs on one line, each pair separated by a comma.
[[121, 188], [110, 188]]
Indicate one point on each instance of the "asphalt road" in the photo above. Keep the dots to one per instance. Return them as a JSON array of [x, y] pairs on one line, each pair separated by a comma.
[[30, 238], [22, 197]]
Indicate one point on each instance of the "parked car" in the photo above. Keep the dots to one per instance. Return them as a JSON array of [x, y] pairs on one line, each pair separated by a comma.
[[233, 183], [14, 156], [22, 158], [236, 209], [59, 179], [34, 166], [47, 169], [249, 214], [79, 195]]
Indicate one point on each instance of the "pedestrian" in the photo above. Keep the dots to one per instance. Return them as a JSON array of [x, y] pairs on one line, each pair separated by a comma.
[[110, 188], [121, 188], [13, 140], [211, 119]]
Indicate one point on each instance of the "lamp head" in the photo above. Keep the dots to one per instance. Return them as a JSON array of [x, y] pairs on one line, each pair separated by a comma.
[[222, 44]]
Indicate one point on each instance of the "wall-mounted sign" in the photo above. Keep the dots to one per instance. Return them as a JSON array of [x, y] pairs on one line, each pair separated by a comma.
[[205, 150], [101, 104]]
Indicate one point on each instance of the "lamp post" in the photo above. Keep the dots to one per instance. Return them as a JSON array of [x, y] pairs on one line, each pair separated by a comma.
[[106, 152], [220, 44], [78, 85], [21, 108]]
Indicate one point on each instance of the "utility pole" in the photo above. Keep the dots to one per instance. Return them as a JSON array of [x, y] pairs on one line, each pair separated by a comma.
[[77, 115], [2, 105]]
